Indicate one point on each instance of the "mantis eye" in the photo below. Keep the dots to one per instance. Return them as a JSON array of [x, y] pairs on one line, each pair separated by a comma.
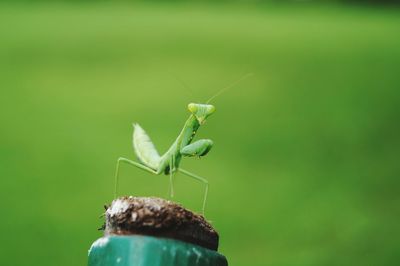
[[211, 109], [192, 107]]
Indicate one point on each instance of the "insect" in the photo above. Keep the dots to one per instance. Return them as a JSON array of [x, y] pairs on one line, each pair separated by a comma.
[[168, 163]]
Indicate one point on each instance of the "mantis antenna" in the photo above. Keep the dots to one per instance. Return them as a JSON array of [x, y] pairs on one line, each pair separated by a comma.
[[183, 84], [229, 86]]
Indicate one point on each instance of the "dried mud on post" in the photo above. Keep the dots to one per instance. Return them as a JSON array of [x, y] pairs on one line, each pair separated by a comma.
[[158, 217]]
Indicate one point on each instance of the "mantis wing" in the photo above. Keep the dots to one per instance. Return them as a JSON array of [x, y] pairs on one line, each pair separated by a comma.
[[144, 148]]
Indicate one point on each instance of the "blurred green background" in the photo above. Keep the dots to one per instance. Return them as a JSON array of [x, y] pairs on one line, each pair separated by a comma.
[[305, 167]]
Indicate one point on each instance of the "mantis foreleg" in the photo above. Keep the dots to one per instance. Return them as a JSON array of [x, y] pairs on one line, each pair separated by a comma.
[[138, 165], [198, 178], [197, 148]]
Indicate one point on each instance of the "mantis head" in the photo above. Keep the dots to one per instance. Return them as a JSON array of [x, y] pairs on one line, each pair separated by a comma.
[[201, 111]]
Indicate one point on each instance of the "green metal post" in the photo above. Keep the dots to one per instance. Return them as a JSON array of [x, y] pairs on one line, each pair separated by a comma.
[[136, 250]]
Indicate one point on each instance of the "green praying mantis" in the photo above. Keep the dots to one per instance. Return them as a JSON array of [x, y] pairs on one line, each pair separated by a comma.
[[169, 163]]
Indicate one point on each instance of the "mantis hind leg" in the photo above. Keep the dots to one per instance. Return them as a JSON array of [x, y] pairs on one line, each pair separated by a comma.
[[201, 179], [138, 165], [171, 176]]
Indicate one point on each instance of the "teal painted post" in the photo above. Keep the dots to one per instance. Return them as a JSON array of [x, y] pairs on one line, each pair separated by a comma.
[[136, 250]]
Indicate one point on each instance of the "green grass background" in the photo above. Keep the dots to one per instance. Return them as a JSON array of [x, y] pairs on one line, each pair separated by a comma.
[[305, 167]]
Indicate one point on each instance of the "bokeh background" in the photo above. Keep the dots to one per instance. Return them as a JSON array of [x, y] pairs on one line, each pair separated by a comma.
[[305, 167]]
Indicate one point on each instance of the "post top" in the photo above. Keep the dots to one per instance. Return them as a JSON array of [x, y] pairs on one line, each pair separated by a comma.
[[158, 217]]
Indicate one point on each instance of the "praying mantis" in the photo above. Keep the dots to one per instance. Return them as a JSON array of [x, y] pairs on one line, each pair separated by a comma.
[[169, 163]]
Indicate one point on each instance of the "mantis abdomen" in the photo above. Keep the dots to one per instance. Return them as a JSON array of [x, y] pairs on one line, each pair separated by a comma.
[[144, 148]]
